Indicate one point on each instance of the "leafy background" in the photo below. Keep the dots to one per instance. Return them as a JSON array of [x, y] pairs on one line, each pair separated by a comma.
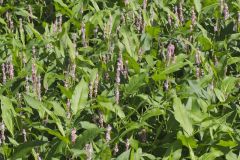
[[64, 64]]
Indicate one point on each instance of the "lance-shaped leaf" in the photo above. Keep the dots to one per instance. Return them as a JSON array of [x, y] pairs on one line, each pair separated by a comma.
[[182, 117], [25, 148], [198, 5], [8, 113], [79, 97]]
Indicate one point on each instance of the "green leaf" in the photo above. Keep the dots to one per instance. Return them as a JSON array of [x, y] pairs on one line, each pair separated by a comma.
[[219, 95], [60, 5], [212, 155], [228, 143], [58, 109], [132, 63], [125, 155], [87, 125], [51, 132], [153, 31], [182, 117], [161, 75], [35, 104], [114, 108], [128, 43], [49, 79], [205, 42], [134, 84], [203, 104], [152, 113], [65, 91], [34, 31], [25, 149], [105, 154], [79, 97], [174, 151], [8, 113], [187, 141], [24, 13], [95, 5], [233, 60], [231, 156], [228, 84], [86, 137], [130, 127], [198, 5], [56, 120], [2, 21]]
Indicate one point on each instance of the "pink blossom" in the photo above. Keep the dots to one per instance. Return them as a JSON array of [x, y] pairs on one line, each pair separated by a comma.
[[116, 149], [226, 11], [127, 144], [108, 133], [73, 135], [96, 85], [89, 151], [193, 17], [181, 13], [4, 77], [169, 19]]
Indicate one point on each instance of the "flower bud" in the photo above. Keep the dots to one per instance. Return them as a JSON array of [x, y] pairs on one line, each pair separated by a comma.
[[4, 77], [144, 4], [126, 2], [27, 84], [226, 11], [198, 72], [117, 95], [73, 70], [89, 151], [127, 144], [68, 108], [193, 17], [169, 20], [39, 88], [216, 27], [166, 85], [116, 149], [96, 85], [11, 69], [24, 135], [197, 58], [170, 52], [143, 135], [2, 128], [55, 26], [176, 13], [60, 23], [38, 157], [100, 119], [108, 133], [90, 90], [84, 43], [181, 13], [73, 135], [34, 73]]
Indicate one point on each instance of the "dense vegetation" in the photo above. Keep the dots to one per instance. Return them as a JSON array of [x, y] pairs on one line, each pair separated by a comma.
[[126, 79]]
